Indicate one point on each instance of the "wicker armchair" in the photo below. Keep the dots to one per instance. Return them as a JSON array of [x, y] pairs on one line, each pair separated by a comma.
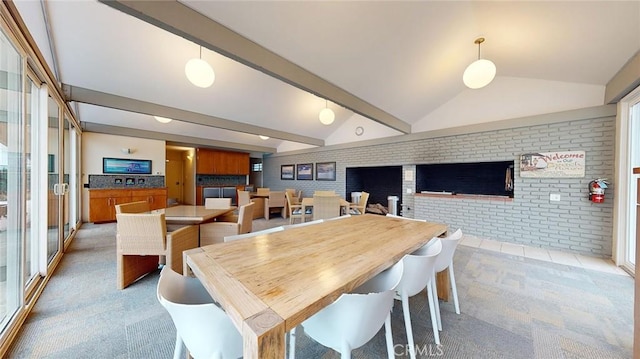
[[325, 207], [215, 232], [275, 201], [142, 238], [133, 207]]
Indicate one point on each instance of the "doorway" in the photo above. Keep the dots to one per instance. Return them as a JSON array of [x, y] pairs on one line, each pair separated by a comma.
[[174, 176]]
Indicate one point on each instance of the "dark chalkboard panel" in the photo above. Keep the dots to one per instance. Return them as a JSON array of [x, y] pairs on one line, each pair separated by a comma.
[[487, 178], [380, 182]]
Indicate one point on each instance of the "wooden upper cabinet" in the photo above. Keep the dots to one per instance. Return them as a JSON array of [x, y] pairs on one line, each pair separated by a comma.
[[204, 161], [213, 162]]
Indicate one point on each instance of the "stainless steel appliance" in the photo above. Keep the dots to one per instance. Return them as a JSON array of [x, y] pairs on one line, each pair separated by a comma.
[[220, 192]]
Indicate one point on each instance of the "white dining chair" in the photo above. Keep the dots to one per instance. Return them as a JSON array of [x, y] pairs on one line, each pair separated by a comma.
[[414, 281], [356, 317], [253, 234], [303, 224], [444, 261], [201, 325]]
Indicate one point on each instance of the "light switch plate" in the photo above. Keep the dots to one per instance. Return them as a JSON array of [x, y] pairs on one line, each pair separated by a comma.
[[554, 197]]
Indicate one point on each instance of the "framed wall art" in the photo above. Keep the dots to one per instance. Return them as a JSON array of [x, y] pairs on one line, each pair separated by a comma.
[[304, 171], [126, 166], [325, 171], [287, 172]]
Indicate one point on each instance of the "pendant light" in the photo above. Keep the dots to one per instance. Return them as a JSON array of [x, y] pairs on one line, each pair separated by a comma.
[[326, 115], [162, 119], [481, 72], [199, 72]]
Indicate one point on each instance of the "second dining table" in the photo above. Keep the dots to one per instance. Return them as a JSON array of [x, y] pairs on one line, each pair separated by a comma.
[[188, 214], [270, 283]]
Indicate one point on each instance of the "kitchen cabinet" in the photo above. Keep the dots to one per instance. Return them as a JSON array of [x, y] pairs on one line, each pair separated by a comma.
[[102, 202], [215, 162]]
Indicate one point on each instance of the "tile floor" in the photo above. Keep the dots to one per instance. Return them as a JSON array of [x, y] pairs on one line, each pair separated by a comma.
[[570, 259]]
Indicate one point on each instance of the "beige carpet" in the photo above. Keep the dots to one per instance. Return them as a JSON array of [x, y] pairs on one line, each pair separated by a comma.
[[512, 307]]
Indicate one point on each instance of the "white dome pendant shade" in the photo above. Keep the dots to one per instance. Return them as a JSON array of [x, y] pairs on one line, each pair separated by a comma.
[[326, 115], [480, 73], [162, 119], [199, 72]]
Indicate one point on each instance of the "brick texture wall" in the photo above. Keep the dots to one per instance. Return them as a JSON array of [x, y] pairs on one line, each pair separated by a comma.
[[573, 224]]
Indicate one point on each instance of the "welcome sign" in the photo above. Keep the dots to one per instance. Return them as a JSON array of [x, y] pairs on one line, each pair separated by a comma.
[[568, 164]]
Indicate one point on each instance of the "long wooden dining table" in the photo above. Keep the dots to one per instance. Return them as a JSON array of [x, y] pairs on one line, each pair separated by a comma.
[[271, 283]]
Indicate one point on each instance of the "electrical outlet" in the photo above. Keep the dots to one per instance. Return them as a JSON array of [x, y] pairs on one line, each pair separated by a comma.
[[409, 190], [554, 197]]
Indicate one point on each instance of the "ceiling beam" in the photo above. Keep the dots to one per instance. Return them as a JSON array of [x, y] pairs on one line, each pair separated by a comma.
[[185, 22], [103, 99], [172, 138]]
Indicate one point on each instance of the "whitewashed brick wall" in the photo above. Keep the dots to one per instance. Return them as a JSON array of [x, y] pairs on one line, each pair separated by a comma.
[[574, 224]]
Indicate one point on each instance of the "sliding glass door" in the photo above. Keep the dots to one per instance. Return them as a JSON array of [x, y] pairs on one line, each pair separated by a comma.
[[12, 160]]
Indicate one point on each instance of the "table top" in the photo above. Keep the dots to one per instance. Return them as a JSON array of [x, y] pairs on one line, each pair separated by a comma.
[[186, 214], [270, 283]]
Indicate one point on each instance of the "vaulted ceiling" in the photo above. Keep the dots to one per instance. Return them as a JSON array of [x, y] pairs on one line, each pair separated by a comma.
[[389, 67]]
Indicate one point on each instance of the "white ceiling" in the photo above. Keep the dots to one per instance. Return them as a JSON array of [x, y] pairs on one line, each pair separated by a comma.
[[405, 58]]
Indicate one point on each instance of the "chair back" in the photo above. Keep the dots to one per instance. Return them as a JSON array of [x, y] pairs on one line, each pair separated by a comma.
[[243, 198], [217, 203], [355, 318], [292, 196], [325, 207], [141, 233], [405, 218], [449, 245], [418, 267], [133, 207], [324, 193], [263, 191], [364, 198], [276, 199], [245, 217], [205, 329], [253, 234]]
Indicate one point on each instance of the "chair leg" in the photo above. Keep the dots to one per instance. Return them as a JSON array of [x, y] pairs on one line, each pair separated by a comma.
[[292, 343], [389, 337], [454, 289], [178, 351], [432, 311], [407, 325], [436, 301], [345, 350]]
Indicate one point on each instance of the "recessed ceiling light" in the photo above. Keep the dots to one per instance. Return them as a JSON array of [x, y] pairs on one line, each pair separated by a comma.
[[162, 119]]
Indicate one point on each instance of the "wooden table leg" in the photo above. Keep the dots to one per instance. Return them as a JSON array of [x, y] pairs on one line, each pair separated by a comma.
[[263, 336], [442, 282]]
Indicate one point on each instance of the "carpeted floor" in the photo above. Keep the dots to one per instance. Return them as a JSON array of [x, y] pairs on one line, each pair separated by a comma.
[[512, 307]]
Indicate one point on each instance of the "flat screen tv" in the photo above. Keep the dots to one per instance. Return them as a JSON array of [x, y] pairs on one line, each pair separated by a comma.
[[125, 166]]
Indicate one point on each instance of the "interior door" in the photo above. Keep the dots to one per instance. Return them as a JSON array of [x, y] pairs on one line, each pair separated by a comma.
[[175, 179]]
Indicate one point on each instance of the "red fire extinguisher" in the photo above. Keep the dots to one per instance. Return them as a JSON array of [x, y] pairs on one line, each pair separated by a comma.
[[596, 190]]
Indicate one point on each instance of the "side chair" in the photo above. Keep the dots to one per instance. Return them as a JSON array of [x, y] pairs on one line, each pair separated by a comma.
[[356, 317], [201, 326]]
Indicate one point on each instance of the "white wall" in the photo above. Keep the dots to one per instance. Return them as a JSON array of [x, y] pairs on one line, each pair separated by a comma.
[[95, 146]]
